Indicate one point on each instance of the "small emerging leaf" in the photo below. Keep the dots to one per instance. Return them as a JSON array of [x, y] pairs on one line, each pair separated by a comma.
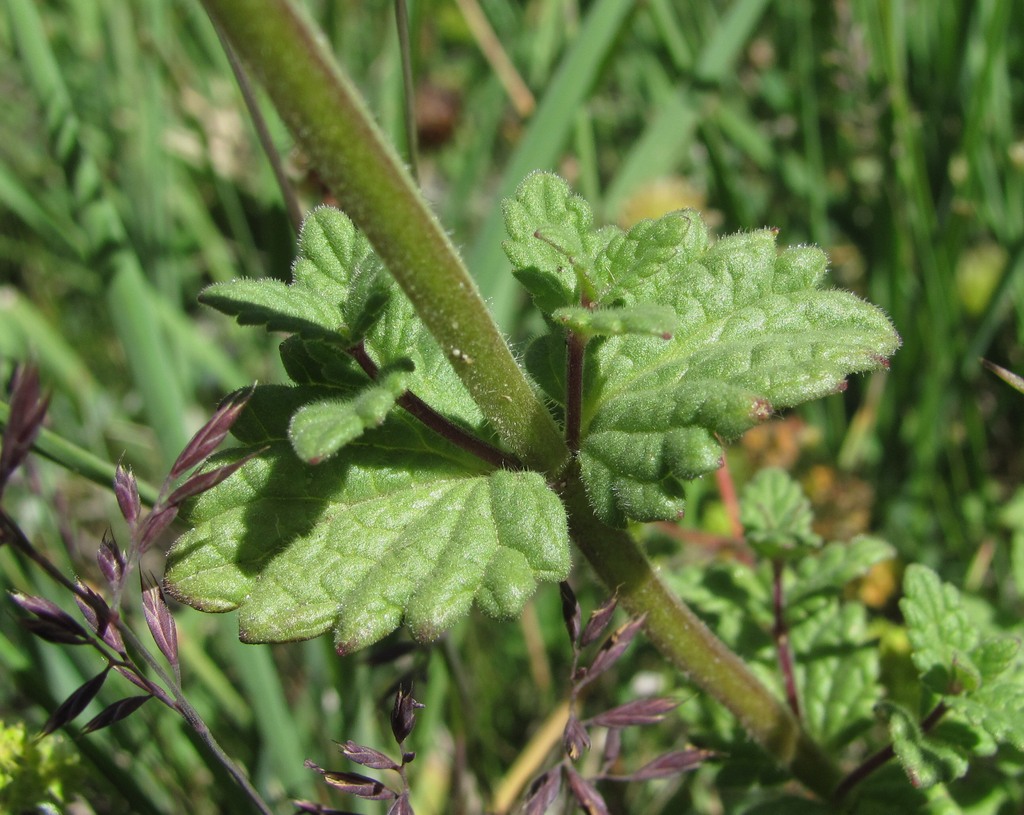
[[777, 516], [331, 252], [926, 761], [941, 633], [835, 565], [318, 430], [655, 321], [751, 333]]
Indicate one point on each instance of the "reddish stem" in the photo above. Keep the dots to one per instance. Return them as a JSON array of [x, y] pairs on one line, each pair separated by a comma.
[[575, 347], [444, 427], [882, 757], [780, 631], [727, 489]]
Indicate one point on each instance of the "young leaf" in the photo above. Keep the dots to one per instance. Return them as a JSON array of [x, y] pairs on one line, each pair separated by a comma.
[[550, 231], [655, 321], [331, 253], [997, 707], [777, 516], [835, 566], [925, 759], [318, 430], [941, 633], [403, 528]]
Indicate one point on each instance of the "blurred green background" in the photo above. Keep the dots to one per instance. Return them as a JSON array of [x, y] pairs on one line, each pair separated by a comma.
[[890, 133]]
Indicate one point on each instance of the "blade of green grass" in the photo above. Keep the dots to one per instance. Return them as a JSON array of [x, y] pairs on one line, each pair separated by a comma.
[[129, 296]]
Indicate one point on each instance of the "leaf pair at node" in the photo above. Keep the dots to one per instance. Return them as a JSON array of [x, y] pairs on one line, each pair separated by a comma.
[[395, 523], [681, 344]]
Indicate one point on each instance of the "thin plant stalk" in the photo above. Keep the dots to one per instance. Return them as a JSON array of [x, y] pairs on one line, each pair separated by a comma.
[[291, 198]]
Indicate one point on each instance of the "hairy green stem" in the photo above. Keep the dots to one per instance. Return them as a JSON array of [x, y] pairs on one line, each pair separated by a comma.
[[691, 646], [333, 126], [335, 129]]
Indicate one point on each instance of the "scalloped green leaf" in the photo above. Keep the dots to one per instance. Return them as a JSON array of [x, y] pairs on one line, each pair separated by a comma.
[[404, 528], [997, 708], [317, 303], [927, 760], [836, 672], [835, 566], [941, 633], [319, 429], [755, 335], [777, 516], [552, 241]]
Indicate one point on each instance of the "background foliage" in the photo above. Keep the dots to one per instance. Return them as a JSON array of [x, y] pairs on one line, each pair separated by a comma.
[[130, 177]]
